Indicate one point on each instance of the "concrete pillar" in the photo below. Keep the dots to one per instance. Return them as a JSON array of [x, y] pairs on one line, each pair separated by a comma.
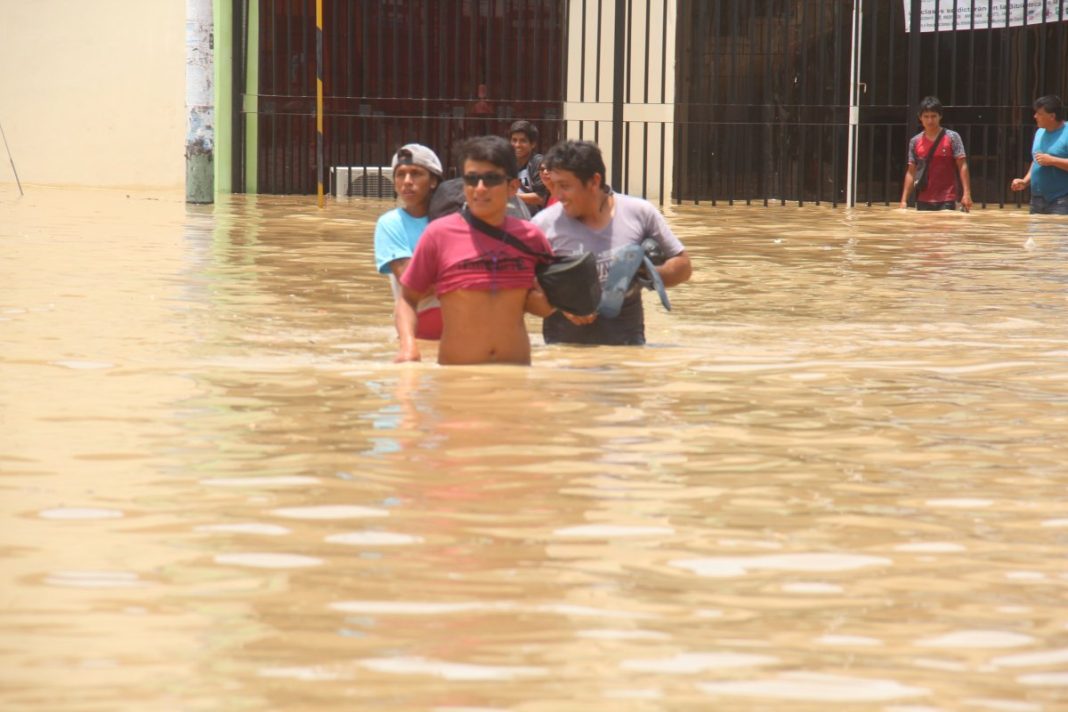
[[199, 102]]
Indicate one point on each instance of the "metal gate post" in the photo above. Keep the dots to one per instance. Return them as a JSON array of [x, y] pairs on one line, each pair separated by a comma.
[[854, 106]]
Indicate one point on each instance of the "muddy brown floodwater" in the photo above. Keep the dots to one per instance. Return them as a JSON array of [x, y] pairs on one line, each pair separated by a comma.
[[834, 479]]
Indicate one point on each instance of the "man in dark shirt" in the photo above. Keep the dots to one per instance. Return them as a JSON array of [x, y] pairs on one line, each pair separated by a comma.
[[524, 138]]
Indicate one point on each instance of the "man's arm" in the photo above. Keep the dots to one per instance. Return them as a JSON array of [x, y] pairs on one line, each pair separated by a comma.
[[965, 182], [1048, 159], [531, 199], [910, 178], [1022, 183], [676, 270], [538, 305], [408, 350], [405, 317]]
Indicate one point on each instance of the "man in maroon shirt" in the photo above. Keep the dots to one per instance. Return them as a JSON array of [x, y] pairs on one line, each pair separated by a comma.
[[944, 162], [484, 284]]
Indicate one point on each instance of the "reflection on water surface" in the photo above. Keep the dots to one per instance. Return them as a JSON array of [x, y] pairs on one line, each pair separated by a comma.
[[835, 475]]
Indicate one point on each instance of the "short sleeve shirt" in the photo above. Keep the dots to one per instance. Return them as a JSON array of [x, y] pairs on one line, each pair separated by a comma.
[[452, 255], [1050, 182], [942, 169], [396, 235], [634, 220]]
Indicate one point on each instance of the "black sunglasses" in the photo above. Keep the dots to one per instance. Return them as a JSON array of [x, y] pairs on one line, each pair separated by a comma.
[[491, 180]]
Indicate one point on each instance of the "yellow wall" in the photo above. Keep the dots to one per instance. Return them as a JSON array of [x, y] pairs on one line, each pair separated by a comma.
[[93, 92]]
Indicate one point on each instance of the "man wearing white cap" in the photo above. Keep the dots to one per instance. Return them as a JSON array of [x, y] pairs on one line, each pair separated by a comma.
[[416, 174]]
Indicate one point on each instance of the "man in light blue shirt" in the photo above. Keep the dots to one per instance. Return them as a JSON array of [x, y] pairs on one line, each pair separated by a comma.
[[1048, 175], [416, 175]]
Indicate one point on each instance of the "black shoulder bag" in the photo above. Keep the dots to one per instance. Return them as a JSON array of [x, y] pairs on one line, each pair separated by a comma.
[[920, 180], [570, 282]]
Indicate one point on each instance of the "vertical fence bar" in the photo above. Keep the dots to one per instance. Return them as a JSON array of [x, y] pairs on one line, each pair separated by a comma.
[[888, 178], [821, 99], [294, 105], [619, 75], [319, 101], [629, 52], [238, 77], [288, 87], [763, 40], [709, 111], [936, 51], [853, 133], [270, 149], [1042, 48], [802, 51], [600, 58], [838, 102], [729, 103]]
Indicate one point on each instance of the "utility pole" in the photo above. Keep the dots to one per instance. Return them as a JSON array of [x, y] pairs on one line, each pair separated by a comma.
[[199, 102]]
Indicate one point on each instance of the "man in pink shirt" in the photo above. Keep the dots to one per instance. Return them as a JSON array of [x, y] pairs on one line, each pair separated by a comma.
[[484, 284]]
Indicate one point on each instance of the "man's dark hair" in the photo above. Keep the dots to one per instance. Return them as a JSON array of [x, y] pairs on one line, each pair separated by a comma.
[[1051, 104], [930, 103], [583, 158], [524, 127], [491, 149]]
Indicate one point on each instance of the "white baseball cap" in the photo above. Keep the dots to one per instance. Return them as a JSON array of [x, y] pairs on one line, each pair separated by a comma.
[[416, 154]]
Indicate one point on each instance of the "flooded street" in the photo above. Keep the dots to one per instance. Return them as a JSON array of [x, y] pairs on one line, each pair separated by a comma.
[[835, 479]]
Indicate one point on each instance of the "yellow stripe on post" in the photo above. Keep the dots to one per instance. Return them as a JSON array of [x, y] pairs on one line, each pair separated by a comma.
[[319, 97]]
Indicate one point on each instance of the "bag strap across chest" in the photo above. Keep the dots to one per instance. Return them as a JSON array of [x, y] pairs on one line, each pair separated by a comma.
[[502, 235], [934, 146]]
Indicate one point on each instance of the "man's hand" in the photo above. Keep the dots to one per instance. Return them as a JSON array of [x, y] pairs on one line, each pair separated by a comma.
[[579, 320], [409, 352], [1018, 184]]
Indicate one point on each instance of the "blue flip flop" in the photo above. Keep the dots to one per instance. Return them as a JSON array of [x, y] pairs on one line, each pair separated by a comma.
[[625, 265]]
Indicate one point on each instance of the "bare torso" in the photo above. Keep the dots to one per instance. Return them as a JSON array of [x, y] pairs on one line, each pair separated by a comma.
[[484, 326]]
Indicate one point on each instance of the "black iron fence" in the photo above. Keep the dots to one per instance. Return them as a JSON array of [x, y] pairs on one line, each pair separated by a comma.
[[987, 78], [761, 89], [764, 95], [398, 72], [762, 103]]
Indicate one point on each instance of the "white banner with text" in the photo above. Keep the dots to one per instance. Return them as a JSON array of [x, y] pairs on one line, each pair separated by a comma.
[[949, 15]]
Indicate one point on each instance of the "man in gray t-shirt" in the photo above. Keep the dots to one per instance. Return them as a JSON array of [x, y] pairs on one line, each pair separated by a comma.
[[589, 217]]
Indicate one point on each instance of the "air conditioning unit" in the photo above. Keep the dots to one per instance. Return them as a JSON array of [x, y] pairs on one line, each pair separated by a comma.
[[369, 181]]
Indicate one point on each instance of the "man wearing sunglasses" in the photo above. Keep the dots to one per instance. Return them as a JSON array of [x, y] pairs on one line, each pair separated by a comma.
[[416, 174], [484, 284], [591, 217]]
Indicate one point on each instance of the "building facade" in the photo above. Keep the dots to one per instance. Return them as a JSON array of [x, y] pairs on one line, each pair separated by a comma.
[[721, 101]]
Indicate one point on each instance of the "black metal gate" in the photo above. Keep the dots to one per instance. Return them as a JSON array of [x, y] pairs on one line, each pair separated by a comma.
[[763, 97], [762, 88], [987, 79], [762, 100], [398, 71]]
